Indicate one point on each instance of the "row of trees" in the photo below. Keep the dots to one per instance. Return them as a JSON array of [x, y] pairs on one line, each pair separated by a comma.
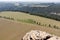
[[48, 25], [7, 17], [33, 21]]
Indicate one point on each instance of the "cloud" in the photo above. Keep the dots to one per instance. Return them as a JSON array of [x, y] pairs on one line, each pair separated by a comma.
[[34, 0]]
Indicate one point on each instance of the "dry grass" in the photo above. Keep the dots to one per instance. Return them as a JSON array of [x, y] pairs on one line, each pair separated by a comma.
[[11, 30], [24, 16]]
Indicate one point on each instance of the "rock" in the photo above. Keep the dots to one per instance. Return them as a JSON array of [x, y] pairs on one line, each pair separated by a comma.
[[39, 35], [54, 38]]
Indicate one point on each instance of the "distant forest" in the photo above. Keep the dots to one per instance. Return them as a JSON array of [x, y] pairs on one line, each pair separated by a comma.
[[48, 10]]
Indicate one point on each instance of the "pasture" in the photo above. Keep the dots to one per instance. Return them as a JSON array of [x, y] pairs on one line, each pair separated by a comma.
[[23, 23]]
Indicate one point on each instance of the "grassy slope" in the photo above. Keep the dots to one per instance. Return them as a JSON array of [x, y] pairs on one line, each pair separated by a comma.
[[12, 30], [23, 16]]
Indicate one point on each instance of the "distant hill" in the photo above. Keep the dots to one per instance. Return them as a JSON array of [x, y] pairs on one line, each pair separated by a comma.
[[24, 6], [49, 10]]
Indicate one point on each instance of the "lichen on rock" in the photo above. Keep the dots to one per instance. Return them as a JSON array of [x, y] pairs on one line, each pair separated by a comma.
[[39, 35]]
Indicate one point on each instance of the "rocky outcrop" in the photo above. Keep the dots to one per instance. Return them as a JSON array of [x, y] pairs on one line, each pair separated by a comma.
[[39, 35]]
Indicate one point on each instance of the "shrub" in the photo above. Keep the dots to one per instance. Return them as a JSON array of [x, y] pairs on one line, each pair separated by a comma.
[[39, 23], [30, 21], [0, 16], [56, 27], [27, 21], [12, 18], [49, 25], [7, 17], [45, 25], [36, 22], [4, 17]]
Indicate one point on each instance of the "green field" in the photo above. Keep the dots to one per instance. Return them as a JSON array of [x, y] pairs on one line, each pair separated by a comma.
[[24, 17]]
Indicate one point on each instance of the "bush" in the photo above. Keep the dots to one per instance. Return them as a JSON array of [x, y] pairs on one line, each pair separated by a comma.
[[12, 18], [30, 21], [39, 23], [27, 21], [0, 16], [49, 25], [6, 17], [56, 27], [45, 24], [36, 22]]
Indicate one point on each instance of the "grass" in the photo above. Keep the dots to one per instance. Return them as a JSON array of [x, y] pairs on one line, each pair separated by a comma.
[[25, 17], [27, 21], [12, 30]]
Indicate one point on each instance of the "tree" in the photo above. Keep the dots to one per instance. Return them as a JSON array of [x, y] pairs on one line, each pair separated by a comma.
[[49, 25]]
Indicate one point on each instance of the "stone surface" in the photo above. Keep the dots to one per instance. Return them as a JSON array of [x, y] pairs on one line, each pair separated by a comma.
[[39, 35]]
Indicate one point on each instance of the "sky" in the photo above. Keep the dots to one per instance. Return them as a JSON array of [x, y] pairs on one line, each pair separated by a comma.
[[32, 0]]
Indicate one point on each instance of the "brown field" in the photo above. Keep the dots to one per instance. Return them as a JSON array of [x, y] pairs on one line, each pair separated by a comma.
[[12, 30]]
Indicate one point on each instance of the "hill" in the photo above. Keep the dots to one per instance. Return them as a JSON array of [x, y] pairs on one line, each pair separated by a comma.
[[25, 17], [12, 30], [16, 29], [49, 10]]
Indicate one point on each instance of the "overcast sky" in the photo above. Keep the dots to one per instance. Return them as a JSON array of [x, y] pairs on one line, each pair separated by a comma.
[[34, 0]]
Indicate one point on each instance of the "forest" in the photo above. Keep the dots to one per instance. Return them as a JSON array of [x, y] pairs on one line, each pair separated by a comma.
[[47, 11]]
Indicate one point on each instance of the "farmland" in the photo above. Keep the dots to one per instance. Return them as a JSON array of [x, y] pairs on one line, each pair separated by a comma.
[[12, 30], [16, 29], [25, 17]]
